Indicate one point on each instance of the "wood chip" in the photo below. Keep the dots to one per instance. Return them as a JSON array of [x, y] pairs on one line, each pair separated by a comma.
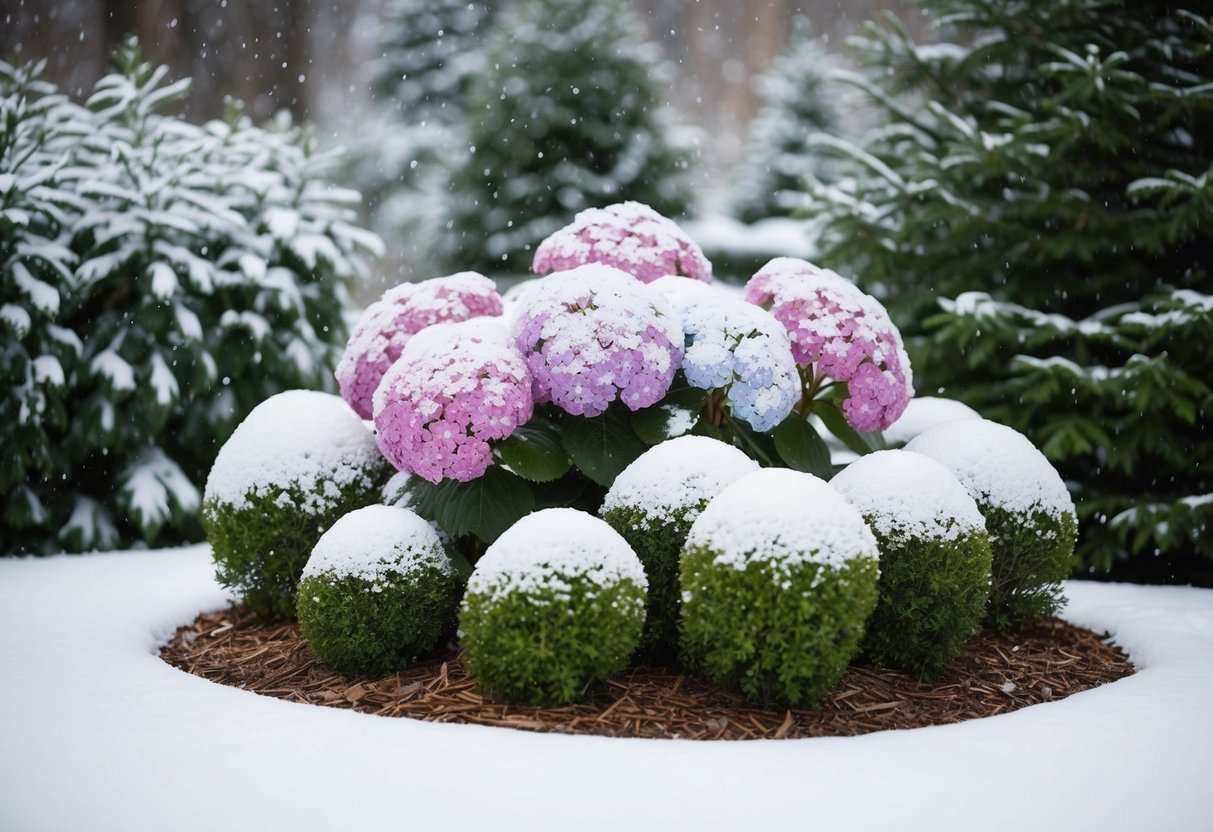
[[996, 673]]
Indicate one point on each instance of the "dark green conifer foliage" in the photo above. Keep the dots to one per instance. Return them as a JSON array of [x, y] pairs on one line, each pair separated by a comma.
[[1054, 157], [567, 116]]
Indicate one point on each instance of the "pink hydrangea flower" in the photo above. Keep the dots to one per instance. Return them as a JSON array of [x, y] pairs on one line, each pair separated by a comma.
[[592, 335], [843, 333], [455, 389], [630, 236], [387, 325]]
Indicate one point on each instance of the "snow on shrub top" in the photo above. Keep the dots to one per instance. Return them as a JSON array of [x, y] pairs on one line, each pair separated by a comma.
[[307, 442], [844, 333], [905, 494], [544, 551], [737, 346], [593, 334], [782, 517], [370, 542], [677, 475], [630, 236], [454, 389], [925, 412], [997, 465], [387, 325]]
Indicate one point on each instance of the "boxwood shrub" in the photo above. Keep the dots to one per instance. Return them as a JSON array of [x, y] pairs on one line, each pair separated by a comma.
[[778, 578], [934, 559], [296, 464], [554, 604], [378, 591]]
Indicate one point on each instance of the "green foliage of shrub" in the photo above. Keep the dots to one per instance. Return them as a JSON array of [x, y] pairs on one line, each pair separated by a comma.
[[158, 279], [547, 647], [261, 548], [1047, 164], [1032, 556], [659, 547], [781, 637], [378, 591], [932, 598]]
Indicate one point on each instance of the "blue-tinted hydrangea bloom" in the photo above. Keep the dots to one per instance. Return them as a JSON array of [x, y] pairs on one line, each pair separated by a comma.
[[740, 348]]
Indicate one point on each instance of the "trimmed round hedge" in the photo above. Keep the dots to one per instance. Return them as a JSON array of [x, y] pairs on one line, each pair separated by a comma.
[[778, 576], [298, 462], [653, 503], [378, 591], [554, 604], [934, 559], [1028, 511]]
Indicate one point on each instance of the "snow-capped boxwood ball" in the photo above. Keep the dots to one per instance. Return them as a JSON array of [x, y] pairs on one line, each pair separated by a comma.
[[934, 558], [778, 579], [1027, 509], [378, 591], [298, 463], [653, 503], [554, 605]]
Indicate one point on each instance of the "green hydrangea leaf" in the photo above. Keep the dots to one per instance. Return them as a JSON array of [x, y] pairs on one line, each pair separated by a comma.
[[602, 446], [485, 507], [534, 452], [800, 446]]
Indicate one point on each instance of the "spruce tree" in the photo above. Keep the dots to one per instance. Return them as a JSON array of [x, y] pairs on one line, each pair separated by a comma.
[[797, 101], [157, 281], [567, 116], [1049, 162], [430, 51]]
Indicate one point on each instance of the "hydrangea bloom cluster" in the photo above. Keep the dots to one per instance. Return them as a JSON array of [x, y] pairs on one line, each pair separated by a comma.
[[630, 236], [450, 394], [594, 335], [742, 349], [845, 334], [386, 326]]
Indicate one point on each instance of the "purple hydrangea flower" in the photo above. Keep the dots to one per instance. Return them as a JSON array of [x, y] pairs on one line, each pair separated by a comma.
[[387, 325], [630, 236], [843, 333], [740, 348], [454, 389], [592, 335]]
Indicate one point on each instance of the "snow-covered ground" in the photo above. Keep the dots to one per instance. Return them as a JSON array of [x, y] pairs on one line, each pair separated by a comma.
[[96, 733]]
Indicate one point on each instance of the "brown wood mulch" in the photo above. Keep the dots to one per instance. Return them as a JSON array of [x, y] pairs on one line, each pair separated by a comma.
[[996, 673]]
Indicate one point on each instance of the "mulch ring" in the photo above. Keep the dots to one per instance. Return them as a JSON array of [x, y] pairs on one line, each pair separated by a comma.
[[996, 673]]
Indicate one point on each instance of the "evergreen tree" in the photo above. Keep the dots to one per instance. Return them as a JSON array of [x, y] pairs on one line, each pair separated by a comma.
[[157, 281], [797, 101], [1060, 166], [403, 150], [430, 53], [567, 116]]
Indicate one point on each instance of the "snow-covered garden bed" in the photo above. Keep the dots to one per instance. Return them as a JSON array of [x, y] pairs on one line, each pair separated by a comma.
[[98, 733]]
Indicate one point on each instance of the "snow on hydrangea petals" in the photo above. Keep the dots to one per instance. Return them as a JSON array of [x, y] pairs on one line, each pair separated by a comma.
[[845, 334], [593, 335], [446, 398], [741, 348], [386, 326], [630, 236]]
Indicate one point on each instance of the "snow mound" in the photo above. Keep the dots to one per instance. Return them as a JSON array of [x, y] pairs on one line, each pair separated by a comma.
[[630, 236], [782, 517], [311, 443], [997, 466], [374, 540], [542, 551], [926, 412], [906, 494], [676, 476]]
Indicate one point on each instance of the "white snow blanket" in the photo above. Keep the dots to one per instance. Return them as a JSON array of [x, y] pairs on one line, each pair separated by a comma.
[[97, 733]]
